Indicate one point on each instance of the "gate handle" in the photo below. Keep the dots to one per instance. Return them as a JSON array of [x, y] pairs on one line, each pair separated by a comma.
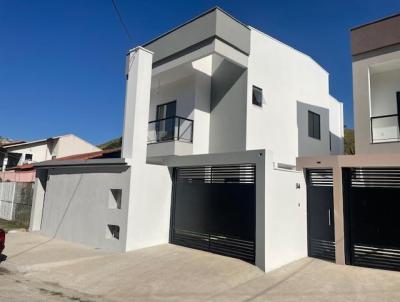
[[329, 217]]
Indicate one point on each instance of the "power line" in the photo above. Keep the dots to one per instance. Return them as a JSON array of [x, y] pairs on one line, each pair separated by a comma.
[[121, 20]]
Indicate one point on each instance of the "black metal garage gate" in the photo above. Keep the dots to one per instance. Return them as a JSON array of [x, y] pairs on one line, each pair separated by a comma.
[[372, 205], [213, 209], [320, 216]]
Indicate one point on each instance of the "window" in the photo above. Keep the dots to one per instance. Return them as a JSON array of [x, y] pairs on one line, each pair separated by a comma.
[[257, 96], [165, 125], [166, 110], [28, 157], [314, 125]]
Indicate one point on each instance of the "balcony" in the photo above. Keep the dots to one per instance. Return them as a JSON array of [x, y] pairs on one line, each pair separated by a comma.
[[170, 136], [385, 128], [174, 128]]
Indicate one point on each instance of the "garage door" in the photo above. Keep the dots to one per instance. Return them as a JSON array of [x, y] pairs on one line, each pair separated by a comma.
[[214, 209], [320, 219], [373, 222]]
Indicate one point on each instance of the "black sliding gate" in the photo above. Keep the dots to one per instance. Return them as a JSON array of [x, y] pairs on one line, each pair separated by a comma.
[[213, 209], [320, 216], [372, 208]]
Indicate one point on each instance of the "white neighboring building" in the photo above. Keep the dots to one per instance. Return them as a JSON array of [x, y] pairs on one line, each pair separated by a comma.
[[228, 110], [46, 149]]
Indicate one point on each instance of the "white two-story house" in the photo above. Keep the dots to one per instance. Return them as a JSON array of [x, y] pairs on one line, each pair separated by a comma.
[[216, 113]]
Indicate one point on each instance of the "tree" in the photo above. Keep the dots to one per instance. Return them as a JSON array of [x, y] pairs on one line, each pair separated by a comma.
[[349, 147]]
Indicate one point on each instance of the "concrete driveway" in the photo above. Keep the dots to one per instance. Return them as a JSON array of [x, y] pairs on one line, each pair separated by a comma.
[[172, 273]]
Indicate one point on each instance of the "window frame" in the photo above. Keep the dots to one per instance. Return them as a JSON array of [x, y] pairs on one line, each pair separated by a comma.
[[314, 125], [162, 105], [253, 96]]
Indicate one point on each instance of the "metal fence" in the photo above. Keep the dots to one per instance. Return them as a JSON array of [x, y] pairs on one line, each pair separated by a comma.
[[16, 201], [174, 128]]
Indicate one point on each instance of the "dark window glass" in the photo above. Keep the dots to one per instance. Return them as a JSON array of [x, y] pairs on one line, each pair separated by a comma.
[[166, 110], [165, 127], [257, 96], [28, 156], [314, 125]]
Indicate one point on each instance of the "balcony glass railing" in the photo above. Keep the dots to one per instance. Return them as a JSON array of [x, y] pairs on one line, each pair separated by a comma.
[[174, 128], [385, 128]]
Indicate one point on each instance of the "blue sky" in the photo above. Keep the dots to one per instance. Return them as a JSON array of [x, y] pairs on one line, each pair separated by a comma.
[[62, 62]]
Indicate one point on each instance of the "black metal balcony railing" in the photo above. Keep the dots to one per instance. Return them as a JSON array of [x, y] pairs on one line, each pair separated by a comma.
[[385, 128], [174, 128]]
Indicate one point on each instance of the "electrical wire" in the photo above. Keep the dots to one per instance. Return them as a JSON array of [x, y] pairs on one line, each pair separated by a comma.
[[121, 20]]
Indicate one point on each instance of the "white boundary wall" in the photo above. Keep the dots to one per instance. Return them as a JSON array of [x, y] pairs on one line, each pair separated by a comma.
[[285, 215]]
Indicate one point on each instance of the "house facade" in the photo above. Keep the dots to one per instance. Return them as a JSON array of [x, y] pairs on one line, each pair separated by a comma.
[[376, 86], [216, 113], [352, 200], [20, 153]]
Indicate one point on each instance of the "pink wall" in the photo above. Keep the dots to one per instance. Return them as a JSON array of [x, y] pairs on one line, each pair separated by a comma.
[[18, 176]]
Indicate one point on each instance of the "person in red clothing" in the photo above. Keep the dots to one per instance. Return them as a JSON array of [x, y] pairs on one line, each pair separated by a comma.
[[2, 240]]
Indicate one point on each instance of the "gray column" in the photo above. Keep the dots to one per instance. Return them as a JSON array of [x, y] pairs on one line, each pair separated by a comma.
[[338, 214], [38, 200]]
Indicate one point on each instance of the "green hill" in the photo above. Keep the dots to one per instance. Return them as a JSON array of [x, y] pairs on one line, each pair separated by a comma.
[[111, 144]]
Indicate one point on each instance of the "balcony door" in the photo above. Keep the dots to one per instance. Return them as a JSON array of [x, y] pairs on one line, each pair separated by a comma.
[[165, 126]]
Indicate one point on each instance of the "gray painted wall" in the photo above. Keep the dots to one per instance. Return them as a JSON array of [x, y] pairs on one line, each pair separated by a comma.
[[207, 26], [228, 107], [76, 205]]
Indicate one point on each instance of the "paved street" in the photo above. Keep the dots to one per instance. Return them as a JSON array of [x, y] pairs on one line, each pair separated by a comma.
[[16, 287], [53, 270]]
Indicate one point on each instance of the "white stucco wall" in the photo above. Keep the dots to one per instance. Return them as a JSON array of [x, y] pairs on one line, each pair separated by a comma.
[[181, 91], [336, 126], [383, 101], [190, 86], [147, 214], [59, 147], [285, 216], [150, 207], [383, 88], [292, 84], [40, 152], [201, 130], [71, 144]]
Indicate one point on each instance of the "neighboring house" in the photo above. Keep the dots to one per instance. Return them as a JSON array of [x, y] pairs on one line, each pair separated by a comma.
[[353, 201], [216, 113], [376, 83], [19, 153]]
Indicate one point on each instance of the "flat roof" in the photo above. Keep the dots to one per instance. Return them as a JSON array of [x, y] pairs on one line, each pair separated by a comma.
[[376, 21], [194, 19]]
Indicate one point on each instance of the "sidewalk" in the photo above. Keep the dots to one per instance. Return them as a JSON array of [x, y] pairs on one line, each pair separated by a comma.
[[173, 273]]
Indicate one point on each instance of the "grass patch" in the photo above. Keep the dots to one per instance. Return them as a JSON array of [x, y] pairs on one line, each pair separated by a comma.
[[10, 225]]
